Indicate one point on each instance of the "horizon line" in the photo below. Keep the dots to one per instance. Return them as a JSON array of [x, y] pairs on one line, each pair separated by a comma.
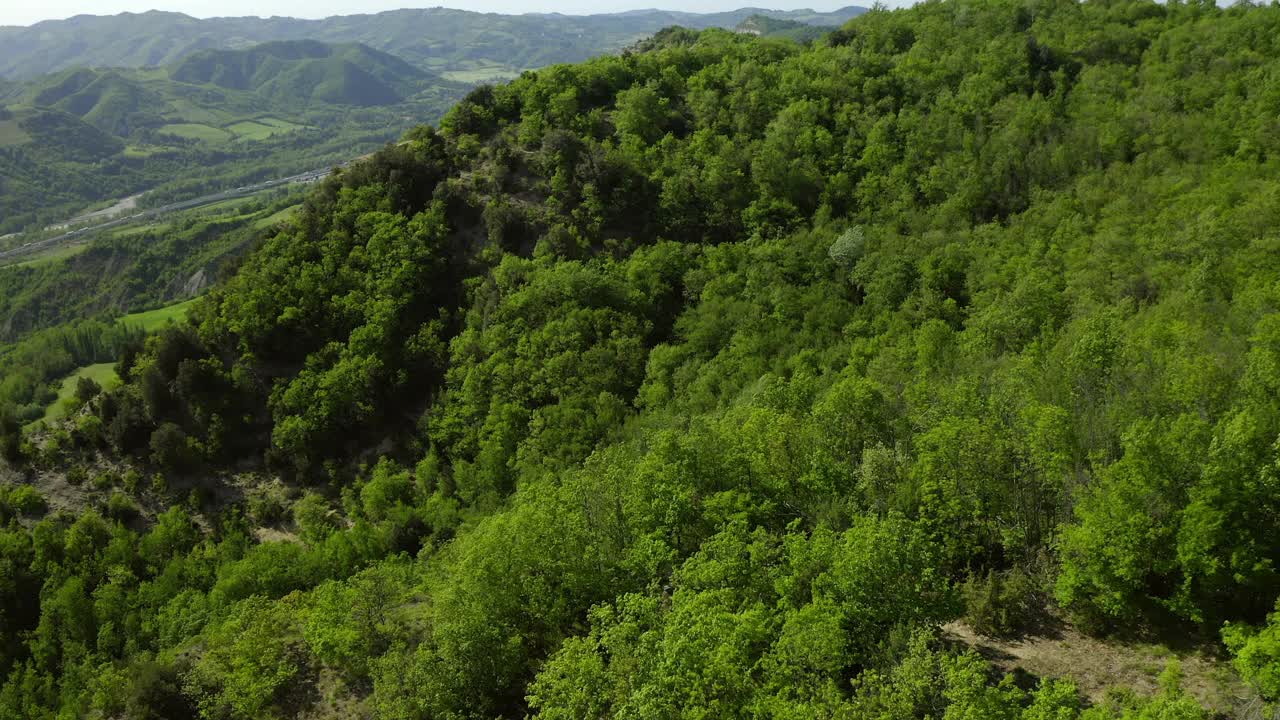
[[636, 11]]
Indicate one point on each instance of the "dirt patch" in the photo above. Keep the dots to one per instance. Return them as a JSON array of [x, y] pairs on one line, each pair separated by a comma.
[[337, 700], [63, 496], [122, 206], [271, 534], [1096, 664]]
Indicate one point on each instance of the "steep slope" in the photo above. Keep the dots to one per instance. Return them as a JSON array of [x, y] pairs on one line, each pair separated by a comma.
[[713, 381], [63, 136]]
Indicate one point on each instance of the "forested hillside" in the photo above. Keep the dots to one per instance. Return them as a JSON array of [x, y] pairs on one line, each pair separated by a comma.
[[305, 72], [709, 380], [765, 26]]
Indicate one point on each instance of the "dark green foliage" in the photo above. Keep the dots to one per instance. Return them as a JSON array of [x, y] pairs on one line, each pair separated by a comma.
[[87, 389], [1004, 604], [171, 449]]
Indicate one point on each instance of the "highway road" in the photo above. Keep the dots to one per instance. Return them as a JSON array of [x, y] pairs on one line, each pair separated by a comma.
[[81, 233]]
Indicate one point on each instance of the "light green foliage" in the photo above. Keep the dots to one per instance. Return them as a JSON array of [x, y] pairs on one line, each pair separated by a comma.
[[253, 657], [726, 369], [388, 491], [563, 349], [315, 517], [1257, 654], [805, 613], [848, 248], [349, 623]]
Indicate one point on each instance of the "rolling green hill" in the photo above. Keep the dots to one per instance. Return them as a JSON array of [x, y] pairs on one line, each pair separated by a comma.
[[212, 121], [765, 26], [56, 135], [435, 39], [302, 72], [50, 159], [107, 100]]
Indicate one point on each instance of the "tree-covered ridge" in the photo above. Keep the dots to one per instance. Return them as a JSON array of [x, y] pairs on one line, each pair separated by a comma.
[[305, 72], [764, 25], [709, 381]]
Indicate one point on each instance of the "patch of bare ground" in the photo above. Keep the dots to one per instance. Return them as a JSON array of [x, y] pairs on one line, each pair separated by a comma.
[[337, 700], [89, 483], [62, 495], [1097, 664], [272, 534]]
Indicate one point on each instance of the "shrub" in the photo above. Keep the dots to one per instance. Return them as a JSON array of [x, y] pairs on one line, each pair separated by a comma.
[[266, 507], [315, 517], [77, 475], [1003, 604], [26, 500], [121, 507], [1256, 653], [87, 389], [104, 480], [172, 449]]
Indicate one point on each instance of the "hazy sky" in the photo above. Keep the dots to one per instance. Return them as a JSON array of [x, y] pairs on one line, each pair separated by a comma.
[[21, 12]]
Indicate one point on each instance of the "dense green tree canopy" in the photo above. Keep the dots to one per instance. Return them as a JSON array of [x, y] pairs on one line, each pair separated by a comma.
[[708, 381]]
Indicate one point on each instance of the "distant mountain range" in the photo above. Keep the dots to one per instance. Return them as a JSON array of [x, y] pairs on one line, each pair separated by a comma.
[[467, 44], [97, 108], [83, 135], [287, 77]]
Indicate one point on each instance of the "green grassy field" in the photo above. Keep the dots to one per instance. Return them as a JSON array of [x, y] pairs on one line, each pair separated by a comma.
[[276, 218], [139, 229], [52, 255], [482, 73], [218, 207], [278, 123], [134, 151], [102, 373], [251, 130], [262, 128], [158, 318], [11, 133], [190, 112], [194, 131]]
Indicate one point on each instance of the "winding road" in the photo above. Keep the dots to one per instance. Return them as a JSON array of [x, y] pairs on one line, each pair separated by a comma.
[[80, 233]]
